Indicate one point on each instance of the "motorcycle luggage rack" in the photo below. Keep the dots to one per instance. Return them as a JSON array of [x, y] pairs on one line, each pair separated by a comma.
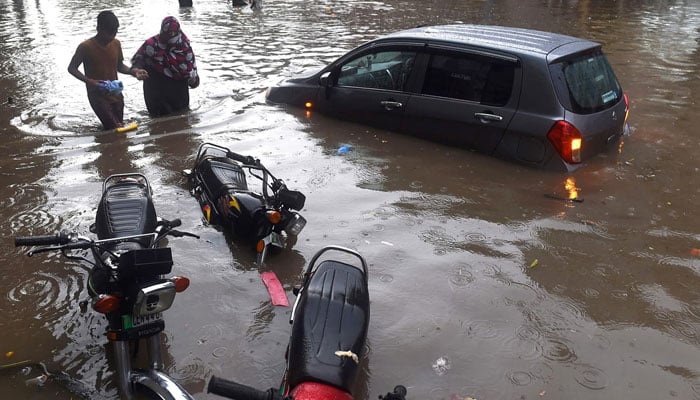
[[146, 262]]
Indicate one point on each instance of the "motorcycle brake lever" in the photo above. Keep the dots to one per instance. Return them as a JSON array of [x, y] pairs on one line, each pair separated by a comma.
[[181, 234], [43, 250]]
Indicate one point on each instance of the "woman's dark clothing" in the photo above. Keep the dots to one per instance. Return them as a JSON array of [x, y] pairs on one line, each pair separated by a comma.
[[164, 95], [170, 62]]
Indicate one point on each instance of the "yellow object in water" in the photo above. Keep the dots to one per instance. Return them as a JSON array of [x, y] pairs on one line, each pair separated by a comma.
[[348, 353], [127, 128]]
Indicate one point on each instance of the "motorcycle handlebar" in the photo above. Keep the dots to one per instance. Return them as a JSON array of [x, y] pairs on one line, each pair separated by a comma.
[[248, 160], [236, 391], [42, 240]]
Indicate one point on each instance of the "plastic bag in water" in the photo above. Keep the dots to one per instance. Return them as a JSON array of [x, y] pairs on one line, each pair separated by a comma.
[[344, 149]]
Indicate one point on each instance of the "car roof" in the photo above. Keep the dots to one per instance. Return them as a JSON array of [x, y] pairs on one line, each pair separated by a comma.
[[495, 37]]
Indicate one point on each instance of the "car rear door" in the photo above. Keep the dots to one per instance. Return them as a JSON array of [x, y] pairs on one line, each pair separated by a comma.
[[368, 87], [465, 98]]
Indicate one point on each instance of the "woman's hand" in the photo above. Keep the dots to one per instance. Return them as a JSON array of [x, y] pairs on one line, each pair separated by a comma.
[[139, 73], [194, 82]]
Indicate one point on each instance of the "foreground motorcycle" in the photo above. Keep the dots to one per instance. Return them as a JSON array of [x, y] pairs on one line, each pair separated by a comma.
[[329, 321], [265, 218], [126, 282]]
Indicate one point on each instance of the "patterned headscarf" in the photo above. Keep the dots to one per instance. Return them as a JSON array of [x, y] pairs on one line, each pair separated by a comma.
[[169, 52]]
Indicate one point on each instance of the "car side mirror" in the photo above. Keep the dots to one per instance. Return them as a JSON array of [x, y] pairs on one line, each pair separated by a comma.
[[325, 80]]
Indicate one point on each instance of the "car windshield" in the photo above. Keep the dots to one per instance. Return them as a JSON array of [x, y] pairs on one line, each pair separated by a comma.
[[589, 83]]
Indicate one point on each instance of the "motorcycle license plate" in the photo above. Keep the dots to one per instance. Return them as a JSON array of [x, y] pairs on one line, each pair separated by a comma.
[[147, 319]]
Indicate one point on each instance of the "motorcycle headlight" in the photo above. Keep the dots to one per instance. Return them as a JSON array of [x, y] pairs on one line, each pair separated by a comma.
[[295, 225], [154, 298]]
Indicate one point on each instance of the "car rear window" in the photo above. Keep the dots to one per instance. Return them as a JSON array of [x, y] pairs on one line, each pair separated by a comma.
[[469, 77], [586, 83]]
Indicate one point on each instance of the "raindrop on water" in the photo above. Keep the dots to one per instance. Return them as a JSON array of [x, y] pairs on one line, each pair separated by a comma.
[[441, 365]]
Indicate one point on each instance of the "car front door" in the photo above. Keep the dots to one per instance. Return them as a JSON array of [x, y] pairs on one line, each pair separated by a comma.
[[369, 88], [465, 98]]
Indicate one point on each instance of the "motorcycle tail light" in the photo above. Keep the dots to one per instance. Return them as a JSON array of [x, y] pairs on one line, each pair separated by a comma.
[[274, 216], [181, 283], [295, 225], [106, 303], [567, 140], [314, 391]]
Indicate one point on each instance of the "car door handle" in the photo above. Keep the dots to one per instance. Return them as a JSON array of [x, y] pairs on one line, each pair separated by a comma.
[[391, 105], [487, 117]]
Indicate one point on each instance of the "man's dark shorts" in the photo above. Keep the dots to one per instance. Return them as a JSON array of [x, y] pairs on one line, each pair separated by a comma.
[[108, 108]]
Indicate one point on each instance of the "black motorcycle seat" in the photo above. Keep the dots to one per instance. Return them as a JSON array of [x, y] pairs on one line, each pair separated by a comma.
[[332, 315], [221, 174], [125, 209]]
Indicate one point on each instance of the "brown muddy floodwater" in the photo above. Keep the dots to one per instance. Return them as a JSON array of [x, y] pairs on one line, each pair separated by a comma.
[[610, 309]]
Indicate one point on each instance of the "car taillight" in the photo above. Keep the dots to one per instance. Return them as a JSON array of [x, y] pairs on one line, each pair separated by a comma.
[[567, 140], [627, 106]]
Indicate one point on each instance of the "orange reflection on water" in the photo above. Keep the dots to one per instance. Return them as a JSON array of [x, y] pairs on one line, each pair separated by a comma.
[[570, 186]]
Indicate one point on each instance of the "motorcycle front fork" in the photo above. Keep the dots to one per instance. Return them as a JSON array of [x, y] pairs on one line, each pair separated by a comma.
[[122, 355]]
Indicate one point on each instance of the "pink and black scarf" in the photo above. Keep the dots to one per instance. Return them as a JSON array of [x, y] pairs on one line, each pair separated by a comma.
[[169, 52]]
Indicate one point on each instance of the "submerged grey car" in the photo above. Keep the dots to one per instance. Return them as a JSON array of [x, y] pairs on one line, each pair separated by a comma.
[[536, 98]]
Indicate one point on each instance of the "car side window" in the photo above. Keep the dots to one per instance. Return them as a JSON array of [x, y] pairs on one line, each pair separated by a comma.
[[469, 77], [386, 70]]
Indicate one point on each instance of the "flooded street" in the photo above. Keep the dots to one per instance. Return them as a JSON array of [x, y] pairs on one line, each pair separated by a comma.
[[480, 285]]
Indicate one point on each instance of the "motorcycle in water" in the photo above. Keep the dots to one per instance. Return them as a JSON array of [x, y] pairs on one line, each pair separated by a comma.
[[265, 219], [127, 280], [329, 322]]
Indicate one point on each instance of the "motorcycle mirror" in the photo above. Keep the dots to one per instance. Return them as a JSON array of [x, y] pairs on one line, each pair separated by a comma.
[[292, 198]]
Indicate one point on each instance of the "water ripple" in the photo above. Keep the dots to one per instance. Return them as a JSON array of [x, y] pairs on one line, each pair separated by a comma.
[[35, 220], [23, 195], [559, 350], [460, 277], [520, 378], [48, 296], [188, 369], [591, 377]]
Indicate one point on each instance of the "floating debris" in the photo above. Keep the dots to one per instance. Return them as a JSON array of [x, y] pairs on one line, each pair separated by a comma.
[[344, 149], [441, 366], [349, 354], [39, 381], [557, 197]]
